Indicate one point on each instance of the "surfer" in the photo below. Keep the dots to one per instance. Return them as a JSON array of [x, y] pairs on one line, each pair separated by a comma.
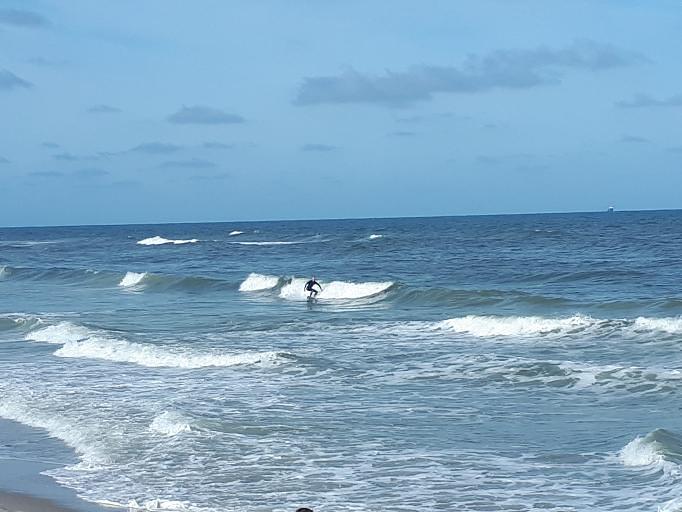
[[310, 287]]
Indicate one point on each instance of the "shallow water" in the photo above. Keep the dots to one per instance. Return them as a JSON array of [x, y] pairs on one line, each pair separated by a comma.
[[473, 363]]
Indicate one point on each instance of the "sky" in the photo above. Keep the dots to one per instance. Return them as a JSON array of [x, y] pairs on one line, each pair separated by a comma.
[[144, 111]]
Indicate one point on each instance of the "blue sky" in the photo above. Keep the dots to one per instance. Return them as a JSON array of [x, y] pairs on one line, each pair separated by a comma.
[[174, 111]]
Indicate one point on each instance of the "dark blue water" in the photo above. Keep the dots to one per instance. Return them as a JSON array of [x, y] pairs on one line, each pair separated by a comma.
[[471, 363]]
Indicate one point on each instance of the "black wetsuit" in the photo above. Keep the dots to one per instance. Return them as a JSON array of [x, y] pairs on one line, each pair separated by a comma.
[[309, 287]]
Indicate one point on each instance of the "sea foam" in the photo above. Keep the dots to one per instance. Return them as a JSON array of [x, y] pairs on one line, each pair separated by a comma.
[[170, 423], [256, 282], [158, 240], [132, 279], [81, 342], [484, 326], [24, 409], [640, 452], [671, 325], [335, 290]]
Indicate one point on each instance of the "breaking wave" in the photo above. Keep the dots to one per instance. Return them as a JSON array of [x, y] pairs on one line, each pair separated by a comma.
[[335, 290], [668, 325], [660, 450], [18, 321], [158, 240], [257, 282], [235, 233], [23, 408], [484, 326], [170, 423], [375, 236], [132, 279], [79, 341]]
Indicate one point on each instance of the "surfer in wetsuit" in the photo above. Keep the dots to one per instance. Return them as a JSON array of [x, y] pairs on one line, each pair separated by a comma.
[[310, 287]]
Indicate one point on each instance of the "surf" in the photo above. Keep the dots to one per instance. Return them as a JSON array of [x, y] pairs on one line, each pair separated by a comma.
[[158, 240], [335, 290], [81, 342]]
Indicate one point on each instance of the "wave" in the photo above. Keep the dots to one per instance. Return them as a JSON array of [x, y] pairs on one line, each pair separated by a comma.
[[485, 326], [668, 325], [79, 341], [258, 282], [23, 408], [375, 236], [18, 321], [132, 279], [335, 290], [158, 240], [170, 505], [106, 278], [170, 423], [235, 233], [660, 450]]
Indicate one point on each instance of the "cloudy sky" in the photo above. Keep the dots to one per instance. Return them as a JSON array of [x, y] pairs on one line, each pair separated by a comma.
[[165, 111]]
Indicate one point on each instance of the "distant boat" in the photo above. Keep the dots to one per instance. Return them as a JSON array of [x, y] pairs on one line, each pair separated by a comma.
[[610, 209]]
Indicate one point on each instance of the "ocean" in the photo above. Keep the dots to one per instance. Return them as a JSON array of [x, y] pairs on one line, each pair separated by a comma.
[[507, 363]]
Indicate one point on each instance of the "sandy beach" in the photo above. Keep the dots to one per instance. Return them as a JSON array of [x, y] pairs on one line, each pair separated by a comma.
[[12, 502]]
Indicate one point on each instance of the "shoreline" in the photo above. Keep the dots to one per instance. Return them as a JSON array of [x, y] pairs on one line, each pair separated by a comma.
[[25, 454]]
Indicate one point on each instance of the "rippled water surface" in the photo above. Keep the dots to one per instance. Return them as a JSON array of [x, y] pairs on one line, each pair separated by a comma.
[[509, 363]]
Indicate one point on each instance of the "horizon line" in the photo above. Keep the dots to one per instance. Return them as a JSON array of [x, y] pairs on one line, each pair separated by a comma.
[[325, 219]]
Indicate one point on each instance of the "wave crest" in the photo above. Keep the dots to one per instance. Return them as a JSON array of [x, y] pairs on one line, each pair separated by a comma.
[[132, 279], [485, 326], [660, 449], [257, 282], [335, 290], [81, 342], [159, 240], [669, 325]]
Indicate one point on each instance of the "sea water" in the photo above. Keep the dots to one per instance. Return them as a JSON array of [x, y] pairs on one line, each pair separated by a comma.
[[509, 363]]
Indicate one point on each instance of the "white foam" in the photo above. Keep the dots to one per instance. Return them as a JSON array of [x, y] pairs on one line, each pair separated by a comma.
[[22, 320], [334, 290], [641, 452], [235, 233], [256, 282], [63, 332], [674, 505], [23, 410], [3, 272], [122, 351], [158, 240], [374, 236], [170, 505], [170, 423], [671, 325], [483, 326], [80, 342], [132, 279]]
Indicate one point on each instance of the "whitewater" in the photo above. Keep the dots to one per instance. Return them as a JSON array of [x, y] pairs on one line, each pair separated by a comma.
[[512, 363]]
